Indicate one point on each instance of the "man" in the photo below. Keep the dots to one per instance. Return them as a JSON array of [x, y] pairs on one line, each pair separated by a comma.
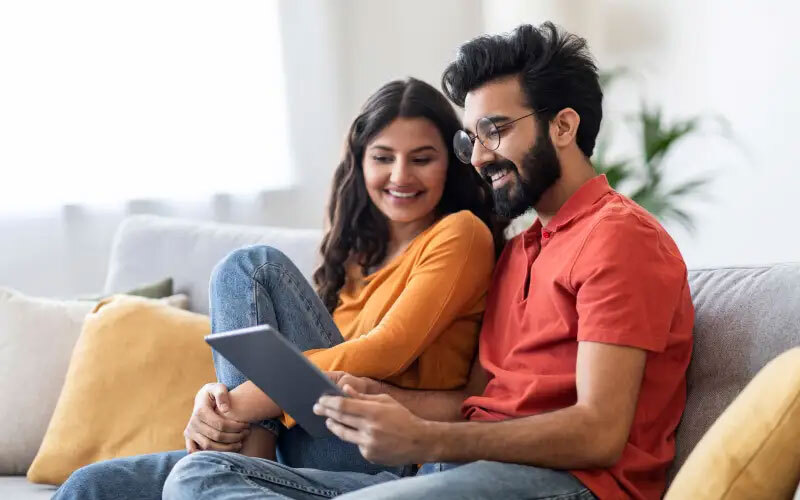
[[580, 380]]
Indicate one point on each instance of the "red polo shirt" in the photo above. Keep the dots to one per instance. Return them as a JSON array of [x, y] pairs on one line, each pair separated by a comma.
[[603, 270]]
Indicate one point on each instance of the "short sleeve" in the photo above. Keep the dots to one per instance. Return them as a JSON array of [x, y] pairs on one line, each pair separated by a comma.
[[629, 280]]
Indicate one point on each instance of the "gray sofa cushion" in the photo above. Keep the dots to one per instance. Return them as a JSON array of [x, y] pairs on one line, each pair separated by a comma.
[[148, 247], [18, 488], [744, 317]]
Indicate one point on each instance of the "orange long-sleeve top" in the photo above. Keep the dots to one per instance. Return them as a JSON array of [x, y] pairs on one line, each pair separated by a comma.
[[415, 322]]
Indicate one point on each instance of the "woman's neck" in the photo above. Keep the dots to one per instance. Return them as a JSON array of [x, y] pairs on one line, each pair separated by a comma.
[[402, 233]]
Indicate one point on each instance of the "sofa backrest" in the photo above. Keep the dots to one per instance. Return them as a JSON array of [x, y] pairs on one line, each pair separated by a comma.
[[147, 248], [744, 317]]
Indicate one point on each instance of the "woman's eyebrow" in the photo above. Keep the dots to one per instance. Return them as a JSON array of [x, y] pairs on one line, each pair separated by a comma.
[[415, 150]]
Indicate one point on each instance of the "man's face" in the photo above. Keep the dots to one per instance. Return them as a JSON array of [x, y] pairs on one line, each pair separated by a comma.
[[525, 165]]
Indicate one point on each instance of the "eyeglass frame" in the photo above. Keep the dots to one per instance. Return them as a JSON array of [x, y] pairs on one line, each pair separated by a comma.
[[498, 128]]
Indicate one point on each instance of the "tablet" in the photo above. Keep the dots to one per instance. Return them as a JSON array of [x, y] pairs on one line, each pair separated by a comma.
[[279, 369]]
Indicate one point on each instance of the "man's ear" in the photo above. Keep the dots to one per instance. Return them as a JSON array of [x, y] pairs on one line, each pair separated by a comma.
[[564, 127]]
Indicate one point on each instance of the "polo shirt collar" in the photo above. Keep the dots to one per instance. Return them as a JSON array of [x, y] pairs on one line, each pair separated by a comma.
[[577, 204]]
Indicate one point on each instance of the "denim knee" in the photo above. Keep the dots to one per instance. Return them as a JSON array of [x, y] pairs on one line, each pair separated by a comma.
[[90, 481], [186, 479], [246, 260]]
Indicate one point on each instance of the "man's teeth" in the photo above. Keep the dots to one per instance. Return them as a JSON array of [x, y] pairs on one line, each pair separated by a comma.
[[403, 195], [499, 175]]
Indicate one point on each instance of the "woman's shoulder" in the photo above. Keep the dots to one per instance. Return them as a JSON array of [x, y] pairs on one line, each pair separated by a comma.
[[462, 228]]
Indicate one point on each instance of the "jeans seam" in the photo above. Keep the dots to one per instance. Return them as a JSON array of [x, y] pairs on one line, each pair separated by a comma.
[[567, 496], [247, 474], [290, 279]]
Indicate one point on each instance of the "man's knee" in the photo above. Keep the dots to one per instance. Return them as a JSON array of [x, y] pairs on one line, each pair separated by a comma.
[[186, 478], [91, 481]]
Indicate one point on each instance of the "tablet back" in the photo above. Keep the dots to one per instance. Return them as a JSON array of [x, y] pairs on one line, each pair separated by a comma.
[[279, 369]]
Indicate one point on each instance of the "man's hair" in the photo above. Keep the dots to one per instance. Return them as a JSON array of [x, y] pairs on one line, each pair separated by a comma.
[[554, 67]]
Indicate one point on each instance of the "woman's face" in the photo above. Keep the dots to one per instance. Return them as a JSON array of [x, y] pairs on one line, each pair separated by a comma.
[[405, 167]]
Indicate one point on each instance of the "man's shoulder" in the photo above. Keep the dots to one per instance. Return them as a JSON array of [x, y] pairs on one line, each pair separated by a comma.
[[620, 228], [622, 218]]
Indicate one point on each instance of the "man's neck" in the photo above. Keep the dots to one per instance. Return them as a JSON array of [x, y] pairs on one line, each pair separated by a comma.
[[572, 178]]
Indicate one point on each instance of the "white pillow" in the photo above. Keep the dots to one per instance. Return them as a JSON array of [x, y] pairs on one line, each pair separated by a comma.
[[36, 340]]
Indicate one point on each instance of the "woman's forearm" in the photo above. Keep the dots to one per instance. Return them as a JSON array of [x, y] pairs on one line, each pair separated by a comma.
[[250, 404], [441, 406]]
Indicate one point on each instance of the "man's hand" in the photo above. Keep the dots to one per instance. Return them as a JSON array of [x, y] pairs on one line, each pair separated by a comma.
[[362, 385], [208, 427], [385, 431]]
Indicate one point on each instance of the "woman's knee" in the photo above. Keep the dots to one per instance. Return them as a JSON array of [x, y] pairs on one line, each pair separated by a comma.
[[243, 263]]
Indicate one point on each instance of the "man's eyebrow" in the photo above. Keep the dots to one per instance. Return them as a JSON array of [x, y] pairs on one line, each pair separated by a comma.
[[496, 119]]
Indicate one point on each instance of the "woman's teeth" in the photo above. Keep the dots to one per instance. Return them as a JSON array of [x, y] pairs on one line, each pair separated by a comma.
[[398, 194]]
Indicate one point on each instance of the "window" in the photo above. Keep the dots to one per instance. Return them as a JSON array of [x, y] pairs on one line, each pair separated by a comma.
[[104, 101]]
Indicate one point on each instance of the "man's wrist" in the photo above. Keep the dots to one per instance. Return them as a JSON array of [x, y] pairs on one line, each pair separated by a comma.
[[433, 440]]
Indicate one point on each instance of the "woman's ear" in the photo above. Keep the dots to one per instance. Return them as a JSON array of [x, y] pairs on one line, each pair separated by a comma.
[[564, 127]]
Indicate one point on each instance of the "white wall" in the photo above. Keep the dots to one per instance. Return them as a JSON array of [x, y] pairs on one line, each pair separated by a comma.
[[738, 59], [336, 53]]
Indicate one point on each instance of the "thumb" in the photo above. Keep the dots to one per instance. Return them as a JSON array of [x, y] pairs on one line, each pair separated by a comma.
[[350, 391], [334, 375], [362, 395], [221, 397]]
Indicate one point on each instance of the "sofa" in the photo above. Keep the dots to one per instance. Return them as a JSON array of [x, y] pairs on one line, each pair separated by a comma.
[[745, 316]]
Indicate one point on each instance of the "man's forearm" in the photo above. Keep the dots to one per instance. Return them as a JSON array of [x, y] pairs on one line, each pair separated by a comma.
[[570, 438], [439, 406]]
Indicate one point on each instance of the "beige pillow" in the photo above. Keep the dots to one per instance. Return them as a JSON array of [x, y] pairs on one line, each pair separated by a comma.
[[753, 449], [36, 338], [130, 386]]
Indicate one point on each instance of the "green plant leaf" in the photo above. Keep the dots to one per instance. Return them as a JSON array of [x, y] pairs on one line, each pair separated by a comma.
[[616, 172], [681, 217], [658, 138], [689, 187]]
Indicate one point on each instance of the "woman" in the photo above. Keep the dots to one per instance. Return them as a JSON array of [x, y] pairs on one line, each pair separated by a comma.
[[406, 264]]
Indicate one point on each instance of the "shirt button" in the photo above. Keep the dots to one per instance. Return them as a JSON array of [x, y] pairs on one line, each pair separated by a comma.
[[546, 234]]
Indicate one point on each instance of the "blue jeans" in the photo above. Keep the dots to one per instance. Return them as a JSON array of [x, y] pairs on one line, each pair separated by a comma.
[[228, 476], [251, 286]]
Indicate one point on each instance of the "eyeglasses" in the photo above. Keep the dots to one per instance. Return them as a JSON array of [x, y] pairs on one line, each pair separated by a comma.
[[486, 132]]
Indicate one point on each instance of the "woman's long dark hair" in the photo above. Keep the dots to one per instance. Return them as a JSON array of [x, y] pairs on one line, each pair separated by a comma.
[[356, 226]]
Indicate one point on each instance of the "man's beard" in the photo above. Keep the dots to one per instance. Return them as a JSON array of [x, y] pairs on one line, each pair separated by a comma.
[[541, 170]]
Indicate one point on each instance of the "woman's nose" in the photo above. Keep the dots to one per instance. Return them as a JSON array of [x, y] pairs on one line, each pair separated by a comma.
[[401, 172]]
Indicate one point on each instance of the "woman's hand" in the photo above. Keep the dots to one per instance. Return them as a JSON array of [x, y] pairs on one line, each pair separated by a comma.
[[208, 427], [361, 385]]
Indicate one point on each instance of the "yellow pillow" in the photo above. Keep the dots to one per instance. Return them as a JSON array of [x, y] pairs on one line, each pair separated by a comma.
[[753, 449], [129, 388]]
